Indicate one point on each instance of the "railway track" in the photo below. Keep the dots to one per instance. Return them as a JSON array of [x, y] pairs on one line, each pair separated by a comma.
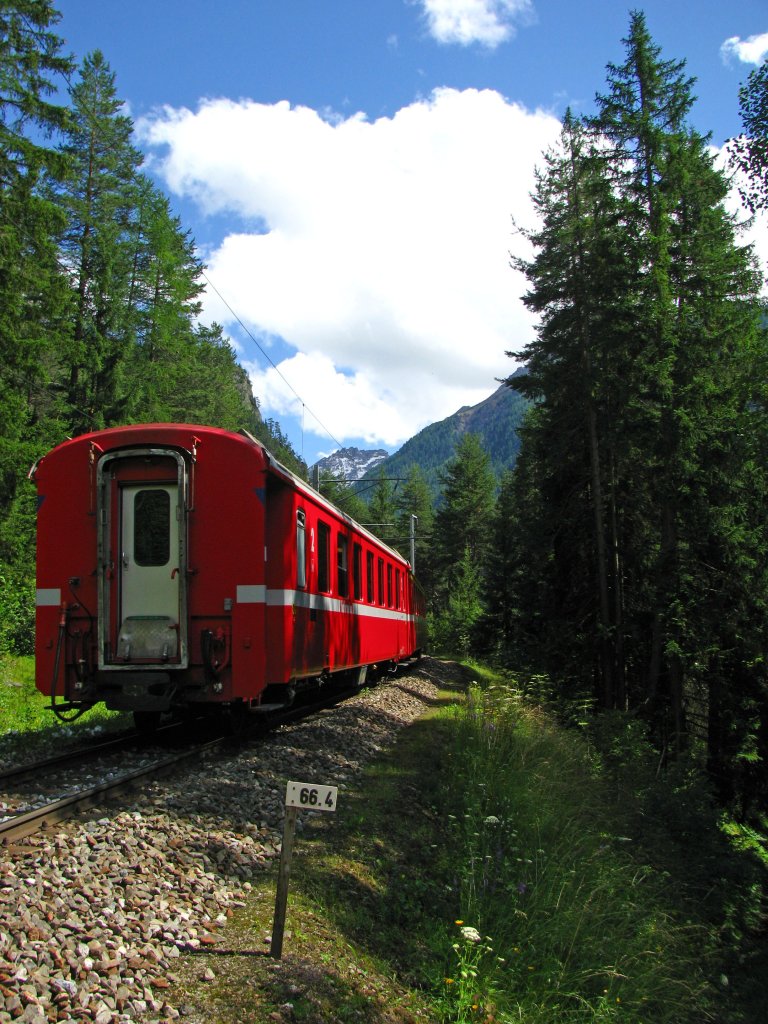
[[25, 812], [34, 797], [98, 914]]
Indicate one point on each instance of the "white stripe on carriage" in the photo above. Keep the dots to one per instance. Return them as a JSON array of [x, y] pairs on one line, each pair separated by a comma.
[[321, 602]]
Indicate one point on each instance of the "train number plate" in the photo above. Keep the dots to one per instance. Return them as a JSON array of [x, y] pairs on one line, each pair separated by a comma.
[[310, 797]]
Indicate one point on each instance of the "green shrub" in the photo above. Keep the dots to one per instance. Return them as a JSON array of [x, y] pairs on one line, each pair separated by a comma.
[[580, 928], [17, 611]]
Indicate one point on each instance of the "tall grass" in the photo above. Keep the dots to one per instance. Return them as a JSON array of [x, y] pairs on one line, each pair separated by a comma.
[[28, 728], [571, 927]]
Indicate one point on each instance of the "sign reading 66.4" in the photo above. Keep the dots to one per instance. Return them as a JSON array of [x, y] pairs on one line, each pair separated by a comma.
[[309, 797]]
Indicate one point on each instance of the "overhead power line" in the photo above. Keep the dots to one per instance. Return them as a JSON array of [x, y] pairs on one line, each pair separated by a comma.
[[273, 364]]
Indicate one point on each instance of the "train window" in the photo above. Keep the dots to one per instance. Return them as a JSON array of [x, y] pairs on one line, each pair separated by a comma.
[[342, 573], [301, 549], [323, 555], [369, 576], [389, 586], [357, 572], [381, 580], [398, 596], [152, 527]]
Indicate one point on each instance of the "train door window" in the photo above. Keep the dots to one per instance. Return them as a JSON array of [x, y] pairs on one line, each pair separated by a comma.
[[389, 586], [381, 580], [301, 549], [151, 527], [323, 556], [369, 576], [398, 600], [357, 572], [342, 572]]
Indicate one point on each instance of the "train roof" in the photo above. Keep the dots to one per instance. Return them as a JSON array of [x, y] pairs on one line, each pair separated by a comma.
[[198, 431]]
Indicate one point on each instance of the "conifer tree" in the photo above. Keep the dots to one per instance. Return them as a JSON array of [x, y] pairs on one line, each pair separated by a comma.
[[415, 499], [33, 288], [646, 423], [579, 368], [696, 314], [463, 526], [100, 200], [382, 510], [750, 149], [463, 520], [342, 493]]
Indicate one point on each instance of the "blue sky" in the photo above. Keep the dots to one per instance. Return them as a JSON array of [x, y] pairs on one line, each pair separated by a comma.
[[351, 169]]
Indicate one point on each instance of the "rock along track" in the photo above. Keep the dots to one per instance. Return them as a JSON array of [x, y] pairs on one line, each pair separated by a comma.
[[94, 913]]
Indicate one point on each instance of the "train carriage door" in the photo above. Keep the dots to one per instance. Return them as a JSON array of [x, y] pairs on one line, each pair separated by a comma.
[[149, 574], [142, 496]]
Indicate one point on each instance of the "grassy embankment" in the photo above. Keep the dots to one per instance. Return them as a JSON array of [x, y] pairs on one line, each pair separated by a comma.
[[28, 729], [494, 867]]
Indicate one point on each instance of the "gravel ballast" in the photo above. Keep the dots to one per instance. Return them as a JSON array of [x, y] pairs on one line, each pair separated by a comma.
[[94, 915]]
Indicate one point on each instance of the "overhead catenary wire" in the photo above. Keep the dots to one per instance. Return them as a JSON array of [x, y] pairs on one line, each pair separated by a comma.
[[278, 371]]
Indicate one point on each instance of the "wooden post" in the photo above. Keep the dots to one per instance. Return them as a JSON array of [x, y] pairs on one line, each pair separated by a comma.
[[283, 879], [298, 795]]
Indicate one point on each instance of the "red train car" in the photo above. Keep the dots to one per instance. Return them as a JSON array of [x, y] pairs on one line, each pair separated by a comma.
[[182, 565]]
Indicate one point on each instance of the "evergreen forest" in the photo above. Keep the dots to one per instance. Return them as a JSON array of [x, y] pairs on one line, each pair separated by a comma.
[[623, 562], [99, 288]]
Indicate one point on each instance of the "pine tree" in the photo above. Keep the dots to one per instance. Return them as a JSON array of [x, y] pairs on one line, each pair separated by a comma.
[[463, 520], [500, 635], [647, 424], [415, 499], [692, 330], [749, 150], [382, 510], [463, 525], [579, 368], [34, 289], [100, 200]]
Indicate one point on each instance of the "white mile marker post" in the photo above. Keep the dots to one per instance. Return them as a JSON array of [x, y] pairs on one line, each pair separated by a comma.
[[298, 796]]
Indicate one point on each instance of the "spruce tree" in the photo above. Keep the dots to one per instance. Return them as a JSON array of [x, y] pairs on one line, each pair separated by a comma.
[[649, 417], [580, 366], [749, 151], [414, 498], [34, 289], [382, 510], [462, 532], [100, 200], [696, 315]]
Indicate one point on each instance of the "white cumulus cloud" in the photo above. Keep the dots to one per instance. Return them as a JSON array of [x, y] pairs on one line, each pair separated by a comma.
[[749, 51], [378, 251], [488, 22]]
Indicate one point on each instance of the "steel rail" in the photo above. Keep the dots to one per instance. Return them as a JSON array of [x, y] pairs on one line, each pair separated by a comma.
[[118, 742], [20, 825], [24, 824]]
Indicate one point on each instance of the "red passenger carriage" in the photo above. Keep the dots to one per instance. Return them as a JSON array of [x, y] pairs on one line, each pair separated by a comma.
[[182, 565]]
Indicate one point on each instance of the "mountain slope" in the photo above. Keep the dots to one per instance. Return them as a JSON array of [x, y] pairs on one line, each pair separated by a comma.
[[351, 463], [495, 420]]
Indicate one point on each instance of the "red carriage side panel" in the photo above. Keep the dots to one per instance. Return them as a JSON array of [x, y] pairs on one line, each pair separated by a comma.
[[182, 565], [227, 570], [66, 574]]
